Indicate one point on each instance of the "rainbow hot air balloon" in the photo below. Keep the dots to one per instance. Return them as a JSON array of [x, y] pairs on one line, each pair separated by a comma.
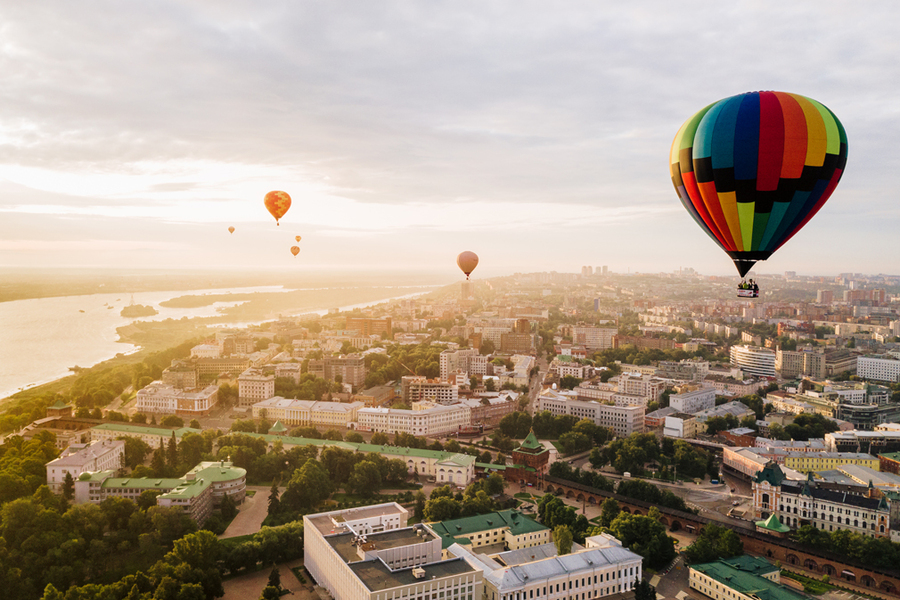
[[277, 203], [754, 168], [295, 250], [467, 261], [231, 230]]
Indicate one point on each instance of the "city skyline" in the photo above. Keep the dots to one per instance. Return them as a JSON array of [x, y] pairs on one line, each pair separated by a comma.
[[406, 134]]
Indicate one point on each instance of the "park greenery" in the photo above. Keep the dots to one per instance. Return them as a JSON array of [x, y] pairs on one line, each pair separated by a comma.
[[477, 498], [632, 455], [876, 552], [713, 543]]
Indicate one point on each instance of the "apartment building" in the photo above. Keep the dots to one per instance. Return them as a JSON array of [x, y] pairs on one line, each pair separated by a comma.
[[754, 360], [350, 369], [693, 400], [879, 368], [594, 338], [255, 386], [414, 388], [624, 420]]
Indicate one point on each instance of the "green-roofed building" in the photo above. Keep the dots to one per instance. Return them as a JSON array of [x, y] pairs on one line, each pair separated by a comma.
[[532, 460], [59, 409], [740, 578], [773, 526], [278, 429], [505, 529], [201, 488], [153, 436]]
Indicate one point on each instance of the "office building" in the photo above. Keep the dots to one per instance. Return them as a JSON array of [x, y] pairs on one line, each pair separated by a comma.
[[754, 360], [255, 386], [158, 397], [370, 554], [82, 458]]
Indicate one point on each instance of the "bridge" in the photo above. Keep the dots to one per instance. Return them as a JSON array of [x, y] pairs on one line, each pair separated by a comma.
[[843, 571]]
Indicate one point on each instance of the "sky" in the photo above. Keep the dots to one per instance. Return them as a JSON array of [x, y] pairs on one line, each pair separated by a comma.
[[536, 134]]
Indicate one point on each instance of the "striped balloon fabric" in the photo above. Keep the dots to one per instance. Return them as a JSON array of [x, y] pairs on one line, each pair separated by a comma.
[[754, 168]]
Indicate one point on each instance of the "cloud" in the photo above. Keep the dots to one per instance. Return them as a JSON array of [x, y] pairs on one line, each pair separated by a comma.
[[384, 116]]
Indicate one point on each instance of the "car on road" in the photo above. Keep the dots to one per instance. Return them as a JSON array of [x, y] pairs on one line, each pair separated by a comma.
[[736, 502]]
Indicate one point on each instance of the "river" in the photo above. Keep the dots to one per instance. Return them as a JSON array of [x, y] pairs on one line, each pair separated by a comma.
[[41, 338]]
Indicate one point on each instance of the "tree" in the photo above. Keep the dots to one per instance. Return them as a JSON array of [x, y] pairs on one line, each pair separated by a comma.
[[420, 506], [194, 424], [442, 508], [562, 537], [365, 479], [379, 439], [275, 578], [569, 382], [158, 462], [489, 384], [645, 536], [713, 543], [172, 421], [354, 436], [610, 510], [68, 491], [227, 507], [309, 486], [274, 503], [172, 453], [644, 591]]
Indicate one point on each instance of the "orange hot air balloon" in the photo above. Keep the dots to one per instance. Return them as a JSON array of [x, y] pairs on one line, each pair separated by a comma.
[[467, 261], [231, 230], [295, 250], [297, 238], [277, 203]]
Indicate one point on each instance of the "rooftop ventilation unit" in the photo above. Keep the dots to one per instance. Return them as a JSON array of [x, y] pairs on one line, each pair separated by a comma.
[[418, 573]]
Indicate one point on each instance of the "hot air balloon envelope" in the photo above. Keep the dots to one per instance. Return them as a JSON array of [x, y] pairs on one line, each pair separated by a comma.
[[467, 261], [277, 203], [295, 250], [297, 238], [754, 168], [231, 230]]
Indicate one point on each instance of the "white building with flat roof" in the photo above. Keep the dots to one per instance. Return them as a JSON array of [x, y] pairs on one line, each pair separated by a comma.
[[694, 400], [624, 420], [878, 368], [374, 556], [84, 458], [255, 386]]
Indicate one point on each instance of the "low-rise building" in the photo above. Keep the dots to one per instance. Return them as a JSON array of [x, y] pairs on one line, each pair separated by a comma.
[[740, 578], [737, 409], [151, 435], [799, 503], [196, 493], [693, 400], [381, 395], [600, 569], [827, 461], [681, 425], [330, 415], [506, 529], [489, 408], [81, 458], [158, 397], [424, 419]]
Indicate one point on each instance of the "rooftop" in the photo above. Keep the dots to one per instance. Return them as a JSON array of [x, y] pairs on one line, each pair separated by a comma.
[[164, 432], [515, 521], [325, 522], [376, 576], [83, 456], [744, 574], [395, 538]]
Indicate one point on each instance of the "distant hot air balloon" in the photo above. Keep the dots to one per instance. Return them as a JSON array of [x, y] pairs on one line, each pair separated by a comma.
[[231, 230], [277, 204], [754, 168], [295, 250], [297, 238], [467, 261]]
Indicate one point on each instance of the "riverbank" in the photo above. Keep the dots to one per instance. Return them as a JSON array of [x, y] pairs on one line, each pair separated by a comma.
[[140, 339]]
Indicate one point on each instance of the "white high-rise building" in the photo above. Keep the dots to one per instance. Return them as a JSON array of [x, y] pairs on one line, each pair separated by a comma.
[[878, 368], [754, 360]]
